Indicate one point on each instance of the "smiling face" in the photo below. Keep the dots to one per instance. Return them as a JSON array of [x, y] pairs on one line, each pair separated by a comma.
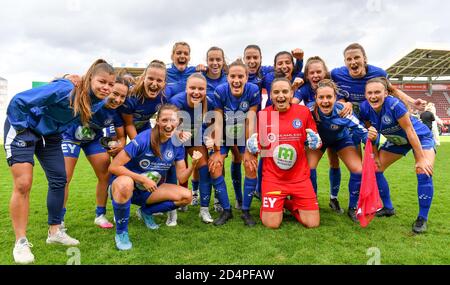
[[316, 72], [355, 62], [102, 84], [252, 58], [375, 95], [154, 81], [325, 99], [167, 123], [237, 77], [181, 57], [284, 64], [117, 96], [215, 63], [281, 95], [195, 91]]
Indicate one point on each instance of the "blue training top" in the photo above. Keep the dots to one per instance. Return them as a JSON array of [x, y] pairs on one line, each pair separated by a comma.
[[213, 83], [176, 79], [333, 127], [386, 121], [46, 109], [143, 159]]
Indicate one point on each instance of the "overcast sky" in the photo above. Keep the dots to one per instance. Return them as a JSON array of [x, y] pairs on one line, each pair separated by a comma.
[[40, 39]]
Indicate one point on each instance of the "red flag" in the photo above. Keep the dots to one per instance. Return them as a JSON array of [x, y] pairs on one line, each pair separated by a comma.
[[369, 198]]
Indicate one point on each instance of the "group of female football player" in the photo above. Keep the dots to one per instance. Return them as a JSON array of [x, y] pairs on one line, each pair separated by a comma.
[[205, 111]]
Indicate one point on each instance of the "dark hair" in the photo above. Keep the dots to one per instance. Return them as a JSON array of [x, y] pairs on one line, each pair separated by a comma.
[[80, 100], [355, 46], [295, 68], [225, 66]]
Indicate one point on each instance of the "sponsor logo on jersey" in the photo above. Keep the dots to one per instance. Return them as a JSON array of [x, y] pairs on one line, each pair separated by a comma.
[[334, 127], [144, 163], [285, 156]]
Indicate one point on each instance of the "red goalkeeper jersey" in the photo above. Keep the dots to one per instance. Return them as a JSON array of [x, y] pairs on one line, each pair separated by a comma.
[[282, 137]]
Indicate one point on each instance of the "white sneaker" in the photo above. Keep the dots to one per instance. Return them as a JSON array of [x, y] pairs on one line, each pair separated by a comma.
[[103, 222], [205, 215], [22, 252], [61, 237], [172, 218]]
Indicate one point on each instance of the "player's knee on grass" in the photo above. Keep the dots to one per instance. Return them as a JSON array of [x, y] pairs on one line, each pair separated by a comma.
[[310, 220], [122, 189], [271, 220]]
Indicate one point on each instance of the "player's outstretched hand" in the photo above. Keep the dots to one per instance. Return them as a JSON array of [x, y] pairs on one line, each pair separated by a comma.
[[184, 136], [425, 166], [196, 155], [372, 134], [298, 53], [298, 81], [313, 139]]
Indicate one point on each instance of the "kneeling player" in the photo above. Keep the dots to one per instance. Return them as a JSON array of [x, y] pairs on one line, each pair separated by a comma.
[[285, 168], [140, 171]]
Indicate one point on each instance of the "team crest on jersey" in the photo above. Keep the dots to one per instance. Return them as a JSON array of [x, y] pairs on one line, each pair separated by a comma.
[[168, 155], [386, 119], [344, 93], [244, 106], [144, 163], [108, 122], [297, 124], [334, 127]]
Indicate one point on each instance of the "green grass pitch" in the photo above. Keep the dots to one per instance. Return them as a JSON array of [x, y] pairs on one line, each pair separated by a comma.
[[336, 241]]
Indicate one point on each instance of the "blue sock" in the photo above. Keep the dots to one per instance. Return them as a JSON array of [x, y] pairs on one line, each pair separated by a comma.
[[195, 185], [160, 207], [122, 215], [313, 177], [249, 189], [63, 214], [425, 191], [221, 191], [354, 185], [236, 177], [383, 189], [205, 186], [335, 181], [100, 211]]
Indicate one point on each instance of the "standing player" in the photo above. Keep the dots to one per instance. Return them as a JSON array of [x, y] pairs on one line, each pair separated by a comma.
[[234, 102], [390, 117], [35, 120], [283, 130], [146, 99], [335, 133], [88, 138], [351, 80], [140, 174], [315, 71], [194, 105], [179, 71]]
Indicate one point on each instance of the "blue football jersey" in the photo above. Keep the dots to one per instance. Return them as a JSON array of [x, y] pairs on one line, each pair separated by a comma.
[[143, 159], [386, 121], [142, 111], [176, 79]]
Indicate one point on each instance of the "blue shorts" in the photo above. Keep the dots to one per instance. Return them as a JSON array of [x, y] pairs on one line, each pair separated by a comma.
[[338, 145], [71, 148], [21, 146], [427, 142], [226, 149], [139, 197]]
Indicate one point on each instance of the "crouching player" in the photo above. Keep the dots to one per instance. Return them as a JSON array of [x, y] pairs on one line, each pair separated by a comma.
[[140, 171], [283, 130]]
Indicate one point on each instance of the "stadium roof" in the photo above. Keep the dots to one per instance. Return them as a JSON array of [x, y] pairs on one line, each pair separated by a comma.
[[135, 71], [422, 62]]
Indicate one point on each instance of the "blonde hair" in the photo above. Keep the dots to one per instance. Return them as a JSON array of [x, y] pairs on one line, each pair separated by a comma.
[[139, 89], [204, 101], [80, 99], [316, 59], [323, 84], [174, 48]]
